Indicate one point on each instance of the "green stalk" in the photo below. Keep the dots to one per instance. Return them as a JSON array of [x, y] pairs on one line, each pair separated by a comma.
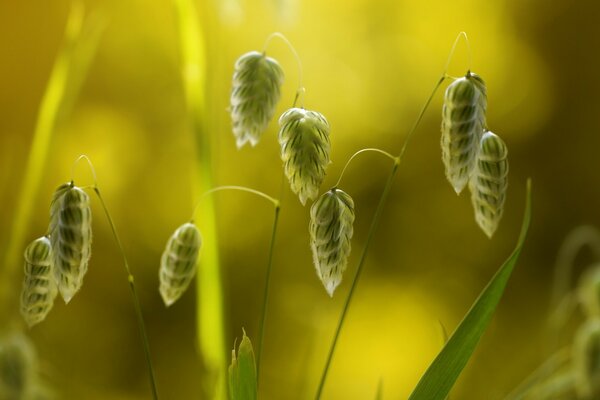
[[210, 320], [136, 300], [76, 52], [373, 227]]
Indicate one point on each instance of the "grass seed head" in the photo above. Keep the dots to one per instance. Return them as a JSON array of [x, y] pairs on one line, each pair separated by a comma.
[[588, 291], [463, 123], [305, 147], [586, 359], [242, 372], [18, 366], [331, 229], [489, 182], [71, 238], [39, 288], [257, 81], [178, 262]]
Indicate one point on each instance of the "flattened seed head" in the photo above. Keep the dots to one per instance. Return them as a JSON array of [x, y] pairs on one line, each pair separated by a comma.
[[305, 148], [257, 81], [331, 229], [178, 262]]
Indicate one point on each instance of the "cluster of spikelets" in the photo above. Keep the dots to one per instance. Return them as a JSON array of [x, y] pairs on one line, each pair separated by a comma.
[[19, 376], [58, 261], [473, 155]]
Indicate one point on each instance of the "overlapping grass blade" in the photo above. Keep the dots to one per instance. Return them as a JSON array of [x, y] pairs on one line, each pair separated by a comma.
[[447, 366]]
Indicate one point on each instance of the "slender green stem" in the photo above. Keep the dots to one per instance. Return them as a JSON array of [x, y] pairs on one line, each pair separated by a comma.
[[294, 52], [261, 327], [460, 35], [373, 227], [385, 153], [235, 187], [136, 300]]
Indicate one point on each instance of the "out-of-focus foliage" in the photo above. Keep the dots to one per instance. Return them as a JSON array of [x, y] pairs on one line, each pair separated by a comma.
[[368, 66]]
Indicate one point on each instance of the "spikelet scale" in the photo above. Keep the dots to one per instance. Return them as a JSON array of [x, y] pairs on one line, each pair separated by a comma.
[[586, 359], [463, 122], [331, 229], [257, 81], [178, 262], [489, 182], [305, 147], [39, 289], [71, 238]]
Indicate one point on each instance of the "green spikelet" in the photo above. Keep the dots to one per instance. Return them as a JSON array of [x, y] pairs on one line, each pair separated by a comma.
[[331, 219], [463, 123], [489, 182], [178, 262], [305, 147], [17, 368], [39, 289], [71, 238], [257, 81], [586, 360], [588, 291], [242, 372]]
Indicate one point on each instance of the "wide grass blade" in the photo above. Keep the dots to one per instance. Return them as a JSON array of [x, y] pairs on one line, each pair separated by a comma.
[[449, 363]]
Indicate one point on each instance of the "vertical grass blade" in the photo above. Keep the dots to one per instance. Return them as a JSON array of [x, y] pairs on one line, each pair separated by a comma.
[[209, 308], [449, 363], [79, 44]]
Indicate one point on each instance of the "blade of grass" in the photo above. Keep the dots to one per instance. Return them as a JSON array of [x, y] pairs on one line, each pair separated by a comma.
[[209, 309], [80, 41], [449, 363]]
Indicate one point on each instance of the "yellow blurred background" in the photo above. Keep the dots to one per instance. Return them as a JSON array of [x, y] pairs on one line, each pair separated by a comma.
[[368, 66]]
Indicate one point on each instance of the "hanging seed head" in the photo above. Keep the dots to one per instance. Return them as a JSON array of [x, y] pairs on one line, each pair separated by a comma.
[[489, 182], [242, 372], [71, 238], [331, 219], [178, 262], [39, 289], [588, 291], [17, 367], [586, 359], [257, 81], [305, 147], [463, 122]]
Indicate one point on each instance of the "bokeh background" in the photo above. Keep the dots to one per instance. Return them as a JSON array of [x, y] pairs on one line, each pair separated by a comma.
[[368, 66]]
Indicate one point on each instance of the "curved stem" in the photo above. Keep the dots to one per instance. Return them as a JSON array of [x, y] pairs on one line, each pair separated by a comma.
[[385, 153], [89, 163], [261, 328], [293, 50], [234, 187], [136, 300], [460, 35]]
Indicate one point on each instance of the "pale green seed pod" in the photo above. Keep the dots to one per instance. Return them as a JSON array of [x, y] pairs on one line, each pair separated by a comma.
[[588, 291], [489, 182], [178, 262], [257, 81], [305, 147], [18, 366], [39, 288], [586, 360], [71, 238], [331, 229], [242, 372], [463, 123]]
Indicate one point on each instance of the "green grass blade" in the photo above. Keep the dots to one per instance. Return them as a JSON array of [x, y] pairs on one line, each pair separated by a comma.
[[447, 366]]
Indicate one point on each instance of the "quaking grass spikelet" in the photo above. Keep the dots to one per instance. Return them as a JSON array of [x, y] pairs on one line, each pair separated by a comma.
[[18, 367], [463, 122], [489, 182], [586, 360], [257, 81], [305, 147], [178, 262], [39, 288], [71, 238], [242, 372], [331, 229], [588, 291]]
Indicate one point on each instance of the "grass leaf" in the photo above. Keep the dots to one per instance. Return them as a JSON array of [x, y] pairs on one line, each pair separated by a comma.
[[449, 363]]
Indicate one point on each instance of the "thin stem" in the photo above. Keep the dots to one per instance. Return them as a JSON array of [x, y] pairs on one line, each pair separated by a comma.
[[300, 92], [234, 187], [89, 163], [261, 328], [136, 300], [293, 50], [460, 35], [385, 153], [373, 227]]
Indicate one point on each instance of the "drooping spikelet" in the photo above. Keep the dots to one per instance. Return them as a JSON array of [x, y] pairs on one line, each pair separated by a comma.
[[305, 147], [257, 81], [71, 238], [489, 182], [18, 365], [586, 360], [39, 288], [178, 262], [463, 122], [331, 219]]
